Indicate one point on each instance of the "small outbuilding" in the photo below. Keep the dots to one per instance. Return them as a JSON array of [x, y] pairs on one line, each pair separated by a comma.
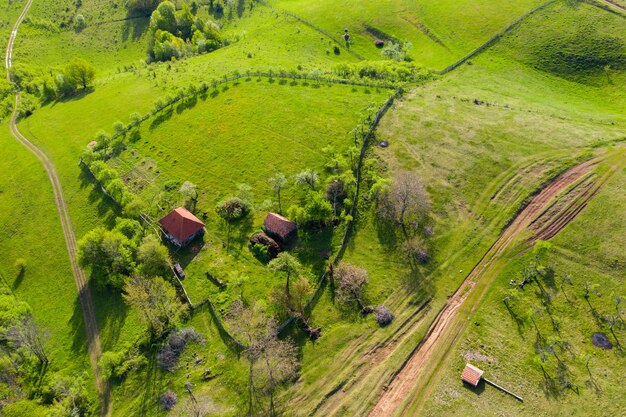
[[280, 227], [472, 375], [181, 226]]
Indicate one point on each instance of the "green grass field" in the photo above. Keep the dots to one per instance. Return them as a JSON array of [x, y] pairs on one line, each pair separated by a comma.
[[31, 231], [482, 138], [589, 250]]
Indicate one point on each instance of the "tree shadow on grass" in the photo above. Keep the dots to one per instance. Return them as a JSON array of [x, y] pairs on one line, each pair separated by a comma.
[[77, 323], [163, 116], [187, 104], [134, 26], [76, 96], [314, 248], [151, 387], [18, 279], [111, 312], [107, 209]]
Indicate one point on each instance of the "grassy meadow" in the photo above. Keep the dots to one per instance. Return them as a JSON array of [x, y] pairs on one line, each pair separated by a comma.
[[31, 231], [441, 31], [505, 344], [482, 138]]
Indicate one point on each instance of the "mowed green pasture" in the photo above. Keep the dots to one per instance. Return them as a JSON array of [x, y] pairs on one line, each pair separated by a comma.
[[504, 344], [244, 132], [31, 230], [441, 31]]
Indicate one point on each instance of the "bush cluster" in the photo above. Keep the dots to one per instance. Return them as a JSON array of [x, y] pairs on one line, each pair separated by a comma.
[[390, 71], [174, 346], [177, 34]]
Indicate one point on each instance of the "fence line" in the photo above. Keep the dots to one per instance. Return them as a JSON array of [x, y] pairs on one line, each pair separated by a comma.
[[344, 241], [495, 38]]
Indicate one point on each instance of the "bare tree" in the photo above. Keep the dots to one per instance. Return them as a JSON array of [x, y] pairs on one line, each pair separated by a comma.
[[335, 192], [307, 177], [271, 361], [155, 301], [295, 304], [406, 202], [351, 282], [25, 333], [278, 182]]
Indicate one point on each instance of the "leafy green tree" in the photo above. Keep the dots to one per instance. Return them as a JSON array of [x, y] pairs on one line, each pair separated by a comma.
[[164, 18], [232, 210], [108, 253], [80, 73], [287, 264], [153, 257], [144, 6], [156, 302]]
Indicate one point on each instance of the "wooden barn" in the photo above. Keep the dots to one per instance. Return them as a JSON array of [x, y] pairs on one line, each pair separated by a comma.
[[280, 227], [181, 226]]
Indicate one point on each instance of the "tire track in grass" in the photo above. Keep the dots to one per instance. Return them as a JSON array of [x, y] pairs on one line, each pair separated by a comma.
[[417, 370], [84, 292]]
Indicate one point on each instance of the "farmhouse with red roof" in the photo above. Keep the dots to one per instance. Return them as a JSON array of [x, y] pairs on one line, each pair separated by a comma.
[[181, 226]]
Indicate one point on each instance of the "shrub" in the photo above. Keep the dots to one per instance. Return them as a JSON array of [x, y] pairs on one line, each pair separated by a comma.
[[260, 252], [79, 22], [175, 345], [232, 209], [168, 400], [383, 315], [20, 265]]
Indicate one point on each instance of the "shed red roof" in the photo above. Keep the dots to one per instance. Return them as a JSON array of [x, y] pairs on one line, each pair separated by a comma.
[[279, 225], [181, 224], [471, 374]]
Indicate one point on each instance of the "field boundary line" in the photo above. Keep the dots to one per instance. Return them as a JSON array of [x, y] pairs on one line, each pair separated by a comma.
[[494, 39]]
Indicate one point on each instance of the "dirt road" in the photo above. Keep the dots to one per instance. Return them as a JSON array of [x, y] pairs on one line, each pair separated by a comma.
[[448, 323], [84, 293]]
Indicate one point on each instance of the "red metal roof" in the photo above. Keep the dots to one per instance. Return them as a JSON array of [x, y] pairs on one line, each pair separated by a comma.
[[181, 224], [471, 374], [279, 225]]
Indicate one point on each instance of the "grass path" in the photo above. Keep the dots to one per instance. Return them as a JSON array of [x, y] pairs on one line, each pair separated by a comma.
[[84, 292], [416, 373]]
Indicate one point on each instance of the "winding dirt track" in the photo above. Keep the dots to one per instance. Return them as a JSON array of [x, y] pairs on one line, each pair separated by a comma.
[[447, 325], [84, 293]]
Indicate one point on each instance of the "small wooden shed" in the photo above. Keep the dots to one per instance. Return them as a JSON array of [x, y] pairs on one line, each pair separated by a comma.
[[280, 227], [471, 375]]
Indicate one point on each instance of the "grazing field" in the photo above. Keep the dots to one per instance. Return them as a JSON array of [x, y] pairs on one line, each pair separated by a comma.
[[508, 344], [483, 139], [441, 32]]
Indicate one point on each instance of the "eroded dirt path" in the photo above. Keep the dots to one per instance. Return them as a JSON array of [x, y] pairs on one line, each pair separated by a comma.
[[414, 374], [84, 293]]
